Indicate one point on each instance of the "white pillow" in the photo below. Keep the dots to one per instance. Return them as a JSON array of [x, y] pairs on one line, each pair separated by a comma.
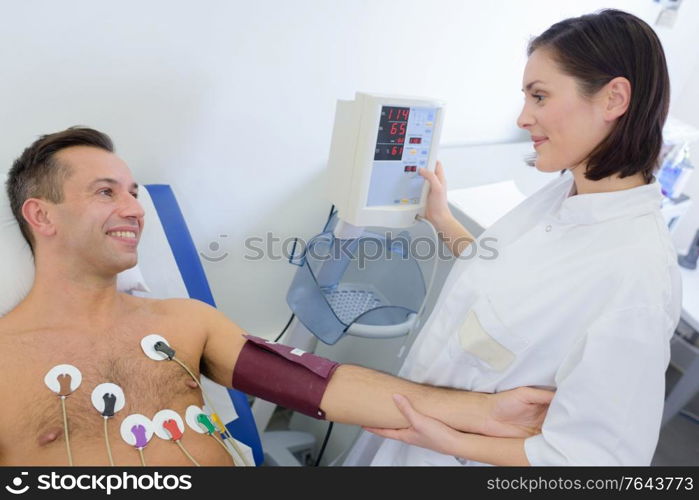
[[17, 263]]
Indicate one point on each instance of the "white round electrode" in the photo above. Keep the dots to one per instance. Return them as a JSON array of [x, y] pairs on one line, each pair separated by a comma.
[[148, 345], [161, 417], [102, 390], [190, 417], [133, 434], [52, 381]]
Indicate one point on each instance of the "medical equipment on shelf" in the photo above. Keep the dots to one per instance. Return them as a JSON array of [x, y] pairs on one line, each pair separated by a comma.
[[689, 260], [673, 175], [370, 286], [675, 171], [352, 280], [378, 145]]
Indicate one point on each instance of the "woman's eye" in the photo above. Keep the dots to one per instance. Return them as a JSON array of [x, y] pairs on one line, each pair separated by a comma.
[[538, 97]]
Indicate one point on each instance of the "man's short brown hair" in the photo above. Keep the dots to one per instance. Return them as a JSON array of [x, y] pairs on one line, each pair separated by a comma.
[[38, 174]]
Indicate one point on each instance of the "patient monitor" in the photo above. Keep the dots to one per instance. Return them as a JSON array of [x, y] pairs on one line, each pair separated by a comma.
[[379, 142], [357, 278]]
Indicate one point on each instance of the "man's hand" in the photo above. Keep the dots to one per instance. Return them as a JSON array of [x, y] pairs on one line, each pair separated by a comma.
[[517, 413]]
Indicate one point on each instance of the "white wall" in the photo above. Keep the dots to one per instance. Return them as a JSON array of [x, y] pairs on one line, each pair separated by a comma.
[[232, 102]]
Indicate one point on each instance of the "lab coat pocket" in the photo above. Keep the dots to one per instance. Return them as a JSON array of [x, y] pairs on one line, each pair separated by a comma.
[[483, 340]]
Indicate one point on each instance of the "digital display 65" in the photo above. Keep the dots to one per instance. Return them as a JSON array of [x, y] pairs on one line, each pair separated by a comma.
[[393, 126]]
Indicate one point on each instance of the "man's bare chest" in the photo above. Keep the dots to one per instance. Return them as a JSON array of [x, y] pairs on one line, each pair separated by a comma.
[[113, 355]]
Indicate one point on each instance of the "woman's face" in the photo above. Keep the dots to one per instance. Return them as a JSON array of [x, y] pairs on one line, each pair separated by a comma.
[[565, 127]]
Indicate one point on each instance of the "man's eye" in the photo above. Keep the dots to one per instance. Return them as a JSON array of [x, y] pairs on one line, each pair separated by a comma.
[[106, 191], [135, 195]]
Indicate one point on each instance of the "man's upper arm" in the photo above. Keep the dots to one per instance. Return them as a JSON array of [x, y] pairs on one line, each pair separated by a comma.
[[223, 343]]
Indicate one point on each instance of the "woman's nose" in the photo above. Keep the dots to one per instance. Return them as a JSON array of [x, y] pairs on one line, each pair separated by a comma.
[[525, 118]]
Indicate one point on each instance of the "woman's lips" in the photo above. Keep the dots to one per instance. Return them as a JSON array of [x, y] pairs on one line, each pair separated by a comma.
[[539, 142]]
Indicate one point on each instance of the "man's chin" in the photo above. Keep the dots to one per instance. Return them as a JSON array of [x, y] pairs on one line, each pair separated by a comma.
[[125, 263]]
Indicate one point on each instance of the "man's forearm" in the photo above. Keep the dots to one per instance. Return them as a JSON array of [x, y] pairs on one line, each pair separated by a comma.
[[360, 396]]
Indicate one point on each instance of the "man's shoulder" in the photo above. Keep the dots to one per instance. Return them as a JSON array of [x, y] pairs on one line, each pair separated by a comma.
[[177, 306], [11, 322]]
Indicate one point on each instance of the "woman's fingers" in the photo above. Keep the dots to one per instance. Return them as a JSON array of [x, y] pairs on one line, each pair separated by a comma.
[[439, 172], [387, 433], [429, 176], [406, 409]]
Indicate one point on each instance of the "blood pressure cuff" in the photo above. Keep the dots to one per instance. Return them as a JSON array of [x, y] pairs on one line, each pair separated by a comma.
[[289, 377]]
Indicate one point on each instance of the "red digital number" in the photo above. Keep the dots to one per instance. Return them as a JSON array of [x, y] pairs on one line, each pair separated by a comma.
[[397, 128]]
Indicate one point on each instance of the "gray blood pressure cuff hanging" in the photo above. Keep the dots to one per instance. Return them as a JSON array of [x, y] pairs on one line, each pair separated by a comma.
[[289, 377]]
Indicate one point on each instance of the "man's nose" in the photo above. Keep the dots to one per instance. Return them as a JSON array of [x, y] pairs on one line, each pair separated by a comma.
[[131, 207]]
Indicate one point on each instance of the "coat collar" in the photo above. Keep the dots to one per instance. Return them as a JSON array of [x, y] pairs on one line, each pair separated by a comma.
[[598, 207]]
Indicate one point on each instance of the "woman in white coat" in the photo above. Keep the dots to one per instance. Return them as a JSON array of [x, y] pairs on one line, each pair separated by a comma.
[[584, 293]]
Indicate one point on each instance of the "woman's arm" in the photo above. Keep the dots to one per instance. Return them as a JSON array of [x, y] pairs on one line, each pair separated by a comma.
[[432, 434], [606, 410], [456, 236]]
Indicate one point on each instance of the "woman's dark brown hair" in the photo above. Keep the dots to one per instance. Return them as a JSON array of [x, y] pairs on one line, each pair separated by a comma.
[[596, 48]]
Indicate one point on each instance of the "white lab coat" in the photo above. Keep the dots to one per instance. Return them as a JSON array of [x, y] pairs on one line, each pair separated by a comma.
[[583, 297]]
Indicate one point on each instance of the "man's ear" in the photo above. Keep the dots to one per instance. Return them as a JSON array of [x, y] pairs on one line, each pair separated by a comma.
[[38, 215], [617, 97]]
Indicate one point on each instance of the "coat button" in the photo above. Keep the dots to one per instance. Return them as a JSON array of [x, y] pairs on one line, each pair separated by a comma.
[[548, 228]]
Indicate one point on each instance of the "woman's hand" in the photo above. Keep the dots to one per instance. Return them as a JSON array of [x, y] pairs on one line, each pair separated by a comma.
[[454, 235], [423, 431], [430, 433], [436, 209]]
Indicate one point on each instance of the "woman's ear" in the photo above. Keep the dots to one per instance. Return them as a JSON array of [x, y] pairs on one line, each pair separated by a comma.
[[36, 213], [616, 97]]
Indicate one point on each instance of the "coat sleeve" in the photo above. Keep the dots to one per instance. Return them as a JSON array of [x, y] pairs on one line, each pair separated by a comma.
[[610, 392]]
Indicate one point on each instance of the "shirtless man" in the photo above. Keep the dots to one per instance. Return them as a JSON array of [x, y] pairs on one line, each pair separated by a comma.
[[77, 205]]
